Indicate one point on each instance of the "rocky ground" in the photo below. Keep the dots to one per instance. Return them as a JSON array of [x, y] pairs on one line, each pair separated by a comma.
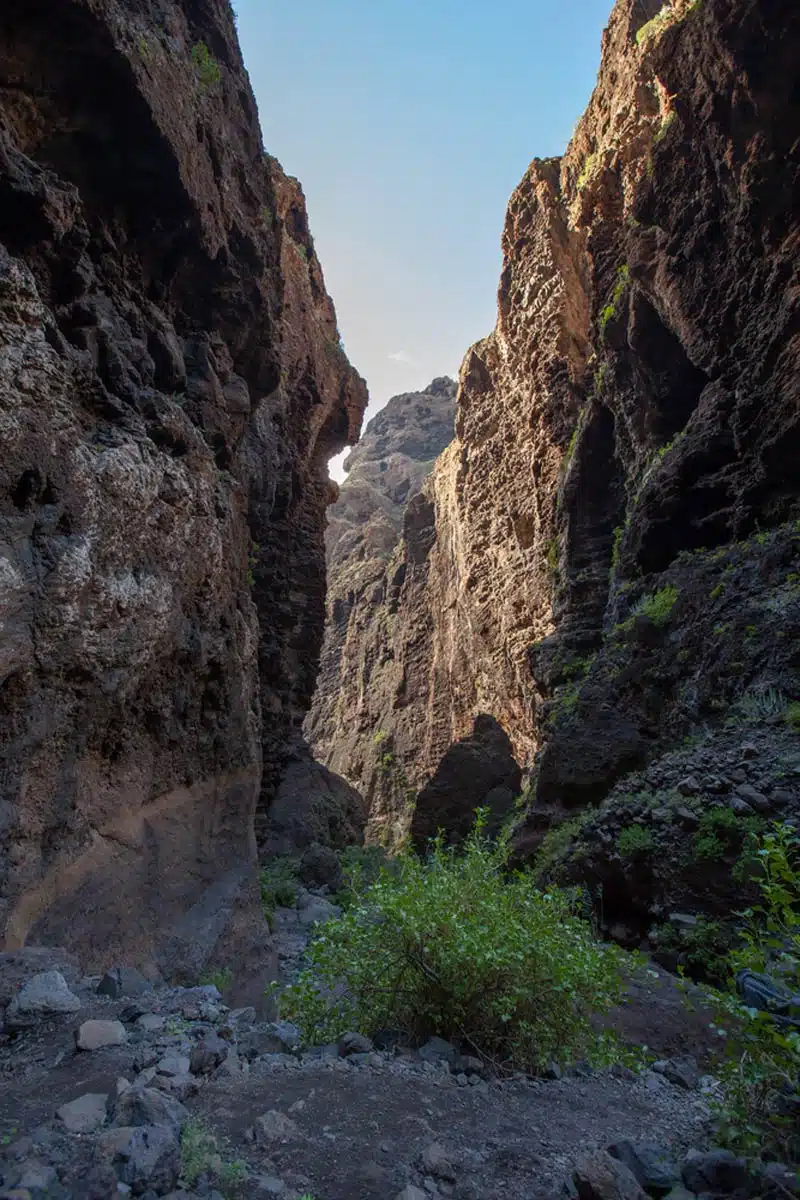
[[116, 1085]]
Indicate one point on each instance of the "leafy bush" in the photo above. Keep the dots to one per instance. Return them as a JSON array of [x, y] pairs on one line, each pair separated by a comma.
[[762, 1068], [206, 66], [702, 950], [722, 832], [634, 840], [221, 979], [658, 606], [457, 946], [279, 885], [556, 842], [361, 867], [792, 715]]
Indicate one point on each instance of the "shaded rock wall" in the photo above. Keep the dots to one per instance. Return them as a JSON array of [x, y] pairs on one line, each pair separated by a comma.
[[171, 387], [605, 559]]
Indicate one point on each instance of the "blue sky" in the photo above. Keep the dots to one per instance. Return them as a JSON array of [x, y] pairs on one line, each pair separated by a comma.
[[409, 124]]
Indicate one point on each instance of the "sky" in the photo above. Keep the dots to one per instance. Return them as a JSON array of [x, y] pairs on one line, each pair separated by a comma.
[[409, 123]]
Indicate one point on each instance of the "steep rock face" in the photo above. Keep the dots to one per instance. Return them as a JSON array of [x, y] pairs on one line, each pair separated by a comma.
[[171, 387], [605, 559], [355, 687]]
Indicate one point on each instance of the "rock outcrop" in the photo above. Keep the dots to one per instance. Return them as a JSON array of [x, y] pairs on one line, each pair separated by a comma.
[[171, 388], [605, 561], [347, 722]]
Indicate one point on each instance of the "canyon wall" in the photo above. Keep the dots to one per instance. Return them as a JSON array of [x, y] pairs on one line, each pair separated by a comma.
[[171, 388], [604, 562], [355, 687]]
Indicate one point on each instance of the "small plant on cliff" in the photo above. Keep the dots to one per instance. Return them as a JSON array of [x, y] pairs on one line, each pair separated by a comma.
[[655, 26], [721, 833], [658, 606], [252, 563], [634, 841], [206, 65], [612, 309], [761, 703], [456, 946], [557, 844], [587, 170]]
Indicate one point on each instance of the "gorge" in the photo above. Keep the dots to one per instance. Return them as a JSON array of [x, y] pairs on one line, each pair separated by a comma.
[[563, 589]]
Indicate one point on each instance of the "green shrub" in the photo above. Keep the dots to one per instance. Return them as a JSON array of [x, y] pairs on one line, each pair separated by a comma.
[[279, 885], [761, 703], [201, 1153], [722, 832], [703, 950], [635, 840], [556, 842], [221, 979], [206, 66], [658, 606], [587, 170], [792, 715], [456, 946], [612, 310], [361, 867], [762, 1055], [655, 26]]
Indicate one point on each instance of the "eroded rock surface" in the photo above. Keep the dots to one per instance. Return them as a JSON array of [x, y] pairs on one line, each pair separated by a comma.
[[171, 387], [355, 696], [605, 560]]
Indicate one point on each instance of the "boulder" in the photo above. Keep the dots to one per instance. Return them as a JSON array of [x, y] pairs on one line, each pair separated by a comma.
[[96, 1035], [84, 1115], [42, 996], [146, 1106], [654, 1167], [149, 1159], [598, 1176], [123, 981], [713, 1171]]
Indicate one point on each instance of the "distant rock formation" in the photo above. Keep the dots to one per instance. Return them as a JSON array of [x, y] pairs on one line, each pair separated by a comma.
[[355, 688], [171, 389]]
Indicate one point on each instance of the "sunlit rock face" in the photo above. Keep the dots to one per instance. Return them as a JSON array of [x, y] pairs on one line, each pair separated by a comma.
[[604, 560]]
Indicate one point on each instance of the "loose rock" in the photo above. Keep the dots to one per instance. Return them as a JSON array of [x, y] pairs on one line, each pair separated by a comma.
[[95, 1035], [84, 1115], [44, 995]]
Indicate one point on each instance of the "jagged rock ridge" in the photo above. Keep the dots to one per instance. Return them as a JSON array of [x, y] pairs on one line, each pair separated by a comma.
[[385, 472], [605, 559], [171, 387]]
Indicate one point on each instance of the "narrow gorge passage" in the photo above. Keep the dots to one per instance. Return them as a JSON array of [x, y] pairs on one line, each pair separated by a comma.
[[435, 831]]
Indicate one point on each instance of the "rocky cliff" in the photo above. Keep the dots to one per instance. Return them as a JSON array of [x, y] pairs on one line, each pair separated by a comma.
[[604, 563], [171, 387], [355, 689]]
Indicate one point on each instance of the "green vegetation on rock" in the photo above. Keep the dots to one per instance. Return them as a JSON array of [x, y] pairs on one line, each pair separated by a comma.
[[279, 885], [206, 66], [634, 841]]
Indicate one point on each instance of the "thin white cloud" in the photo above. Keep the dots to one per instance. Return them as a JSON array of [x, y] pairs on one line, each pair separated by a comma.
[[402, 356]]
